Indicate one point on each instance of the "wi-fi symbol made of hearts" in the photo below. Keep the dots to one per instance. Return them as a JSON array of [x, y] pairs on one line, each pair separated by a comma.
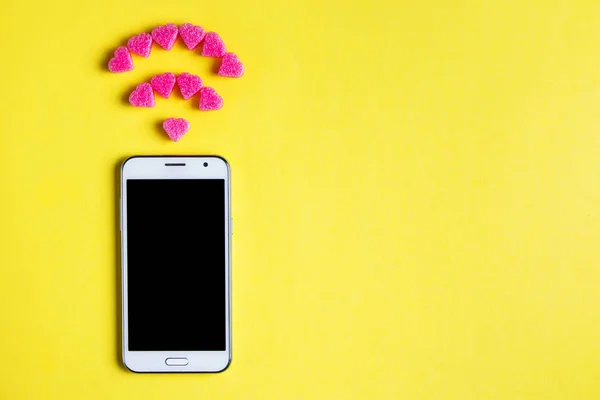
[[189, 85]]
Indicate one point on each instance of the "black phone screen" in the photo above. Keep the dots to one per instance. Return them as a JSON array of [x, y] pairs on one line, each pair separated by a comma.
[[176, 265]]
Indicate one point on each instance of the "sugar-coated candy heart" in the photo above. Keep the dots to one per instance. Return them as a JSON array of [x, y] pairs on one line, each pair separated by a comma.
[[163, 84], [176, 128], [231, 66], [213, 45], [165, 35], [210, 99], [192, 35], [188, 84], [140, 44], [122, 61], [142, 96]]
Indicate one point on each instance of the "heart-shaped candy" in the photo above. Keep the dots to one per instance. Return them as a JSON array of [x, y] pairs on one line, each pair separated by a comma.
[[192, 35], [231, 66], [188, 84], [142, 96], [210, 99], [213, 45], [165, 35], [140, 44], [176, 128], [163, 84], [121, 62]]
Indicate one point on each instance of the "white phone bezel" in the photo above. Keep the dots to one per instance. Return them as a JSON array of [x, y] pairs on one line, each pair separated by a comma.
[[181, 167]]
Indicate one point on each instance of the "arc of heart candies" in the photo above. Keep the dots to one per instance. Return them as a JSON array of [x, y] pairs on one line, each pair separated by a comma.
[[166, 36], [189, 86]]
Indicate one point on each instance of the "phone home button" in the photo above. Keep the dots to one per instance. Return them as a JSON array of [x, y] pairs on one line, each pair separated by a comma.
[[176, 362]]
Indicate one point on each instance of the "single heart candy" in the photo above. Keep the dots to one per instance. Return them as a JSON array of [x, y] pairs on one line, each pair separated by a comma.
[[165, 35], [231, 66], [213, 45], [142, 96], [163, 84], [176, 128], [192, 35], [140, 44], [188, 84], [210, 99], [121, 62]]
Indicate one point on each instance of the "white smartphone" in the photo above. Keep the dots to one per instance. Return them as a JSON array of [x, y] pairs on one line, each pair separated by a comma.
[[176, 264]]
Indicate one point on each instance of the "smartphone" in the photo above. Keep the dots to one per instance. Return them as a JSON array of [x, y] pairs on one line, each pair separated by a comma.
[[176, 264]]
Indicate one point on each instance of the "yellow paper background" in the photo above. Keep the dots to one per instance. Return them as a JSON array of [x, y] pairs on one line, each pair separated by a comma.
[[416, 196]]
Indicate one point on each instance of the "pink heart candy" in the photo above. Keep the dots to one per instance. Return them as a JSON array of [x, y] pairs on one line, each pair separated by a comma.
[[140, 44], [176, 128], [192, 35], [121, 62], [163, 84], [210, 99], [142, 96], [188, 84], [231, 66], [213, 45], [165, 35]]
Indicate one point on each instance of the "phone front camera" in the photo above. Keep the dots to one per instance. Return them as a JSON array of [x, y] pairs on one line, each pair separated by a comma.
[[205, 164]]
